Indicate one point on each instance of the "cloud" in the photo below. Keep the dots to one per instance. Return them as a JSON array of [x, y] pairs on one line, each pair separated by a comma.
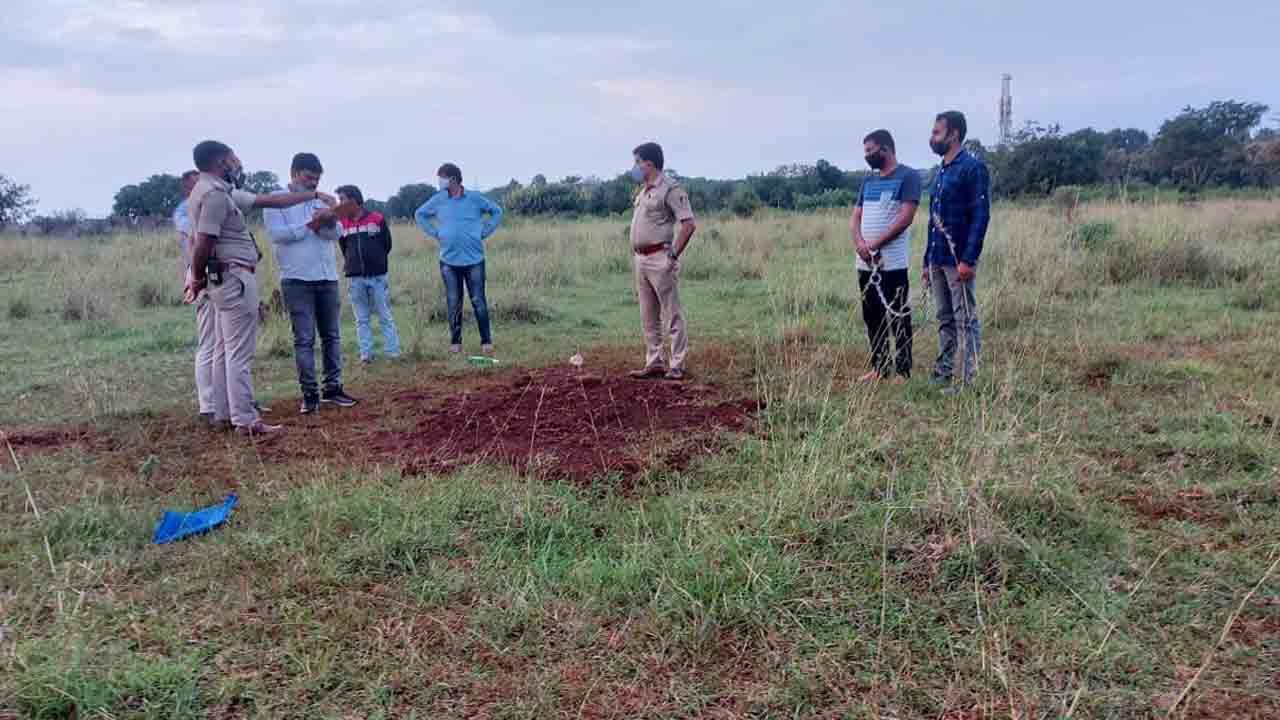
[[678, 102], [100, 93]]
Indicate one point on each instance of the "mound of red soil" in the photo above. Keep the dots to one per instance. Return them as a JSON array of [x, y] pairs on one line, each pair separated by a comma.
[[560, 423]]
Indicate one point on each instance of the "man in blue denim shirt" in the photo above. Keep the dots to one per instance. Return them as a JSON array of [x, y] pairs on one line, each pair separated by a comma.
[[455, 217], [959, 212]]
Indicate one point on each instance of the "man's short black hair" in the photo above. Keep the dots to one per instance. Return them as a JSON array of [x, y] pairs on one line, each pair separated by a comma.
[[651, 152], [449, 170], [189, 174], [352, 192], [306, 162], [207, 154], [955, 121], [881, 138]]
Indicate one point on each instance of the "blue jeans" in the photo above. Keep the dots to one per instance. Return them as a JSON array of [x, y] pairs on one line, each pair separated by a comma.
[[455, 276], [369, 295], [312, 306]]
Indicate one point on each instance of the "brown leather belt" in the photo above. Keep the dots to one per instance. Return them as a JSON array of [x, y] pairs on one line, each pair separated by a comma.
[[651, 249]]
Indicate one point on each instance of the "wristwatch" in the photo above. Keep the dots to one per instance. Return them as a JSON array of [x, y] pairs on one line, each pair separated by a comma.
[[671, 252]]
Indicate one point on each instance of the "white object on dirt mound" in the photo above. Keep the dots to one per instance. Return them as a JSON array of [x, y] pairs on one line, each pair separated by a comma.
[[576, 360]]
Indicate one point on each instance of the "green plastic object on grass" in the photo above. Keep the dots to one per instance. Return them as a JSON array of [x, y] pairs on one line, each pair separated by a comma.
[[483, 361]]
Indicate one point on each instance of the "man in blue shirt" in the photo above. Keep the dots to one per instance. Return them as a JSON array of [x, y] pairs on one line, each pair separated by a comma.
[[303, 238], [455, 217], [959, 212]]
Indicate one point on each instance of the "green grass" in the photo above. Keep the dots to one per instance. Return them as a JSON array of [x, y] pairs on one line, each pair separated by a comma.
[[1068, 540]]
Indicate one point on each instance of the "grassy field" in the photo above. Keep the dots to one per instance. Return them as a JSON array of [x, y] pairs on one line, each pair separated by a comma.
[[1093, 532]]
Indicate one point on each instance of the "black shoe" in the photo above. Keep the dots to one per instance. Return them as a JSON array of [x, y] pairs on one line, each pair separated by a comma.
[[310, 404], [335, 396]]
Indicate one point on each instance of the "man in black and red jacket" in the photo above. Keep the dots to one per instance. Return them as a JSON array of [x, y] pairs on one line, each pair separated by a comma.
[[366, 243]]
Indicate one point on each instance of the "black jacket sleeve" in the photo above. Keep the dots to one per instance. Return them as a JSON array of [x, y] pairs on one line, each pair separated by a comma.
[[384, 232]]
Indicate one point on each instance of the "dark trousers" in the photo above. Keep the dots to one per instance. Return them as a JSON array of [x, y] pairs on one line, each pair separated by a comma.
[[895, 284], [472, 276], [314, 307]]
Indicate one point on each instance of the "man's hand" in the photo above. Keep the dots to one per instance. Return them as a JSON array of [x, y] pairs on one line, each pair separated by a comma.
[[326, 198], [965, 272], [322, 218], [927, 277], [194, 287], [864, 251]]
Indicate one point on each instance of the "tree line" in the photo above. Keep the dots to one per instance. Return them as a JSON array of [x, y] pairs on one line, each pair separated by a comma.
[[1221, 145]]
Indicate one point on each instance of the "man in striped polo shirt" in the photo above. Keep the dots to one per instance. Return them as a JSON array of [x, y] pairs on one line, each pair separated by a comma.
[[881, 228]]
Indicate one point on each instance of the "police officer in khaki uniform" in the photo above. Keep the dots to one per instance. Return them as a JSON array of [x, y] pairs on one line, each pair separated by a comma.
[[216, 207], [660, 206]]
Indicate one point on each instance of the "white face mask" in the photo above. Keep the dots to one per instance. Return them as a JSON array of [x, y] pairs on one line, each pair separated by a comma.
[[443, 183]]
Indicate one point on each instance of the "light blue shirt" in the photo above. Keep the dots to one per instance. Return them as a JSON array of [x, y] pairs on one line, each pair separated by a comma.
[[459, 225], [182, 219], [302, 253]]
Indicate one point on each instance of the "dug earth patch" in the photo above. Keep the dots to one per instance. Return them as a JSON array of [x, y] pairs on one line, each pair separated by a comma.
[[560, 423]]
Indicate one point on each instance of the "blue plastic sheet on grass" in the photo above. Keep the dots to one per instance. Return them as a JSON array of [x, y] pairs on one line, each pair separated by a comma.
[[178, 525]]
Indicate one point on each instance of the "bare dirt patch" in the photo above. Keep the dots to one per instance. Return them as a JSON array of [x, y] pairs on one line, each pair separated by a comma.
[[554, 422], [561, 423]]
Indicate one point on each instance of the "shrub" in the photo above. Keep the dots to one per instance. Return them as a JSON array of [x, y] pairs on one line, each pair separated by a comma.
[[19, 309], [836, 198], [154, 294], [745, 202], [87, 304], [1090, 235]]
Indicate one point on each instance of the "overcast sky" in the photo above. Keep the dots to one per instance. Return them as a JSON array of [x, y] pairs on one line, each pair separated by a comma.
[[101, 93]]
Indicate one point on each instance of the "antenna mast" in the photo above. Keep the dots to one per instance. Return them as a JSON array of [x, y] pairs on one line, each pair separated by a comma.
[[1006, 109]]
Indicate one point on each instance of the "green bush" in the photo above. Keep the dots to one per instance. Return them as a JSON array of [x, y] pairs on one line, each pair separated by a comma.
[[1094, 234], [744, 202], [19, 309], [838, 198], [153, 294]]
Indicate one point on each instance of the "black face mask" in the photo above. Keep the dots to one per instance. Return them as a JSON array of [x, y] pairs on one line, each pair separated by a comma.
[[876, 162], [940, 148], [234, 178]]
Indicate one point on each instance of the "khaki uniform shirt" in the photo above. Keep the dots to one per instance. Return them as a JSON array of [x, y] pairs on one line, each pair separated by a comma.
[[215, 209], [658, 209]]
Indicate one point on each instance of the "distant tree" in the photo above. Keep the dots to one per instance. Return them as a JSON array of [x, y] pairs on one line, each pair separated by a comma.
[[1204, 146], [571, 180], [16, 203], [408, 199], [156, 196], [744, 202], [975, 148], [59, 221], [549, 199], [263, 182], [1264, 160], [1129, 140], [1041, 159], [615, 196], [377, 206], [538, 180], [829, 176]]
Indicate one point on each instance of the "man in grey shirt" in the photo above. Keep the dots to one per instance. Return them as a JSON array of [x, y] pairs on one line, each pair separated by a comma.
[[303, 239]]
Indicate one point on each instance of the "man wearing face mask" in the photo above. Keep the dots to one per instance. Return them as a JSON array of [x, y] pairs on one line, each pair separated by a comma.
[[455, 217], [303, 239], [881, 227], [959, 212], [660, 206], [224, 258]]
